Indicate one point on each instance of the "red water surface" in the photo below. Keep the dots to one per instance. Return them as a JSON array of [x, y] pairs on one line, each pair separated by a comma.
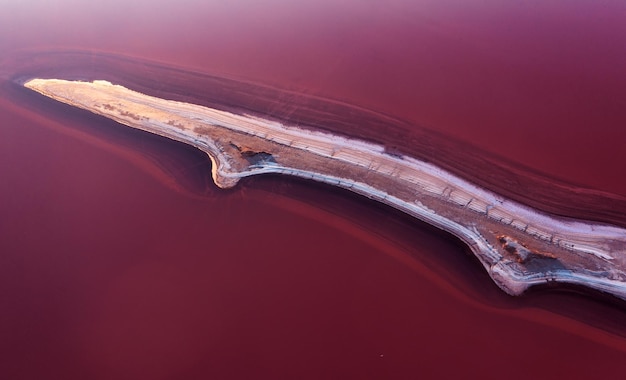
[[118, 259]]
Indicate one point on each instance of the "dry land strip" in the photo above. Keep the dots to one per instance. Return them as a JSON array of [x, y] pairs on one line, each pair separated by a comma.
[[518, 246]]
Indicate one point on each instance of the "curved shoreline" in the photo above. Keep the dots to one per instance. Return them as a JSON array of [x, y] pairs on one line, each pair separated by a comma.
[[518, 246]]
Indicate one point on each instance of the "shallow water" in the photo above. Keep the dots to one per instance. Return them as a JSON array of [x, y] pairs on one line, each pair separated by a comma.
[[120, 259]]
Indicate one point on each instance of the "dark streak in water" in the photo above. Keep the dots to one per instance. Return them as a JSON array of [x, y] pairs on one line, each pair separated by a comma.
[[507, 178]]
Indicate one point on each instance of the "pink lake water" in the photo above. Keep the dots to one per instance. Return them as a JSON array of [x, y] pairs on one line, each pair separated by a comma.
[[119, 258]]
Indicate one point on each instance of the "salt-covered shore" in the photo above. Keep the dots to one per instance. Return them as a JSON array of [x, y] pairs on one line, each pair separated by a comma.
[[518, 246]]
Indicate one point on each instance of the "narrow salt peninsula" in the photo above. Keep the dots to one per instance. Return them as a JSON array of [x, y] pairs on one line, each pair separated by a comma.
[[518, 246]]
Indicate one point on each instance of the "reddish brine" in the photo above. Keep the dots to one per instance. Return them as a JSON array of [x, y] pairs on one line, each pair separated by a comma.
[[120, 259]]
